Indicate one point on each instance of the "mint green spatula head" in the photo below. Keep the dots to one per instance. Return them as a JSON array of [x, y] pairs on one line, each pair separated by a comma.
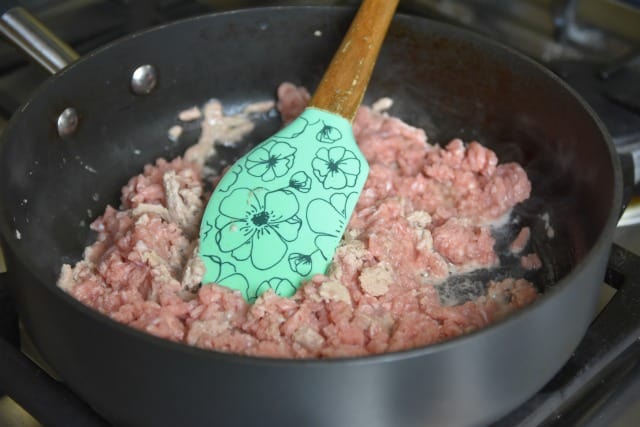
[[276, 217], [278, 214]]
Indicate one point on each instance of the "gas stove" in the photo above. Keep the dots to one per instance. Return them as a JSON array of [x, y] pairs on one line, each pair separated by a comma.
[[593, 45]]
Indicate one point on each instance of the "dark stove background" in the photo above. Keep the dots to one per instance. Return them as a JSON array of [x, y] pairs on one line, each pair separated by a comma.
[[593, 44]]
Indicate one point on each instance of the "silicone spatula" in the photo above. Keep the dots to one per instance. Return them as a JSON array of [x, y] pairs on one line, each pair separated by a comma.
[[277, 216]]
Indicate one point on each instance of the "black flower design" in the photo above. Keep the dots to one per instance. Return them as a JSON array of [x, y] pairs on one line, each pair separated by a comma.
[[270, 161], [300, 263], [282, 287], [328, 134], [229, 179], [336, 167], [300, 181], [256, 225], [224, 273], [328, 219]]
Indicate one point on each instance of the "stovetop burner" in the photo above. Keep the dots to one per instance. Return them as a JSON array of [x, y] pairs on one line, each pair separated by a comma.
[[601, 382], [601, 63], [613, 94]]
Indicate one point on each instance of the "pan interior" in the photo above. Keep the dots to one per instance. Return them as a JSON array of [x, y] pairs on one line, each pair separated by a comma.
[[448, 82]]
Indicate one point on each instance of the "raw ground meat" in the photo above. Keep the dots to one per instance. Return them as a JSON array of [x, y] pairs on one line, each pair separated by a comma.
[[425, 213], [520, 241]]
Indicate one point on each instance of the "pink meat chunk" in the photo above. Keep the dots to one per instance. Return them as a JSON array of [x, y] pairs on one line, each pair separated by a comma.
[[520, 241], [531, 261]]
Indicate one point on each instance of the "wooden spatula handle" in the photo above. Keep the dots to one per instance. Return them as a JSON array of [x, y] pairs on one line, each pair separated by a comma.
[[345, 81]]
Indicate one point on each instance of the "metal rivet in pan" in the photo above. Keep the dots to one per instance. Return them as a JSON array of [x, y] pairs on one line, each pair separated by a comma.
[[67, 122], [144, 79]]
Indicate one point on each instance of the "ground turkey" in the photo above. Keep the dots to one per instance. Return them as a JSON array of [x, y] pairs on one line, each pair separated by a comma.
[[425, 213]]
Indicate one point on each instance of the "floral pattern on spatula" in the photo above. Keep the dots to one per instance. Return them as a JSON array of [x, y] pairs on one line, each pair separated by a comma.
[[255, 222], [279, 222], [271, 161], [336, 167]]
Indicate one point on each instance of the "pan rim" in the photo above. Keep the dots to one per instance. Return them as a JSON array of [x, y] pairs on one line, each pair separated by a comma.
[[602, 243]]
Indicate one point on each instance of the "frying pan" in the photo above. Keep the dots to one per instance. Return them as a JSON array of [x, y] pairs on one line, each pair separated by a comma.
[[449, 81]]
